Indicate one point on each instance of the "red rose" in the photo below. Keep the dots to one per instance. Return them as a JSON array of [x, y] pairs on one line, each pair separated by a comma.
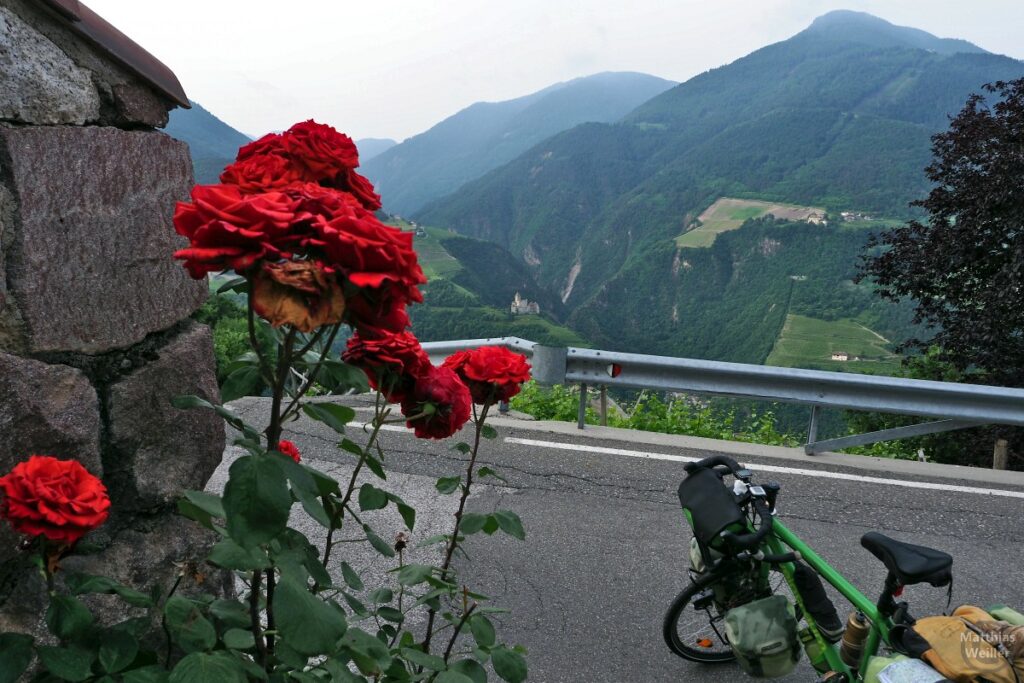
[[268, 144], [262, 173], [55, 498], [289, 449], [320, 149], [438, 405], [392, 362], [492, 373], [231, 230], [360, 187]]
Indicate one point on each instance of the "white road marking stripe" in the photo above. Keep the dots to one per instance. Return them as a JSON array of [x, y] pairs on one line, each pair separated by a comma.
[[771, 468]]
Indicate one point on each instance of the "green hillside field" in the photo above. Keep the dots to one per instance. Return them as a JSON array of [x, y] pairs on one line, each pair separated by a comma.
[[728, 213], [809, 343]]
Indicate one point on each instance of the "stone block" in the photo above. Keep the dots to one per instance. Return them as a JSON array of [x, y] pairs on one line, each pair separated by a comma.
[[39, 82], [89, 265], [45, 410], [138, 104], [163, 449]]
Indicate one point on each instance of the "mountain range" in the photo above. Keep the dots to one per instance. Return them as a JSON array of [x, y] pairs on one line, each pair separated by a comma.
[[486, 135], [839, 117]]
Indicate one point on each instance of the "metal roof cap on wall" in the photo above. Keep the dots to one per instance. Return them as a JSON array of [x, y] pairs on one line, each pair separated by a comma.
[[120, 47]]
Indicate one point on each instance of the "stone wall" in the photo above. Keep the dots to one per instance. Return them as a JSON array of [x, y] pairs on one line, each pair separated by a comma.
[[95, 336]]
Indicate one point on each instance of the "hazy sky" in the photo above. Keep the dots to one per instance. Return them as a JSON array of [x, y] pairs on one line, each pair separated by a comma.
[[392, 68]]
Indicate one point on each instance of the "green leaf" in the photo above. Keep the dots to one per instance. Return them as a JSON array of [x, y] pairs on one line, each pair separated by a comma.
[[472, 522], [15, 656], [408, 514], [491, 525], [209, 502], [117, 651], [381, 596], [189, 511], [368, 653], [352, 579], [412, 574], [214, 667], [79, 583], [390, 614], [256, 500], [510, 524], [357, 607], [488, 432], [420, 658], [432, 540], [339, 672], [375, 466], [508, 664], [331, 414], [189, 402], [372, 498], [67, 618], [482, 630], [190, 629], [462, 447], [325, 484], [231, 613], [69, 663], [305, 488], [488, 472], [147, 674], [235, 284], [378, 543], [230, 555], [448, 485], [239, 639], [307, 623], [242, 382], [470, 669], [452, 676]]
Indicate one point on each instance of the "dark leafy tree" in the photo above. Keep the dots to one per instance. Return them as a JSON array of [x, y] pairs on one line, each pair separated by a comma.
[[963, 265]]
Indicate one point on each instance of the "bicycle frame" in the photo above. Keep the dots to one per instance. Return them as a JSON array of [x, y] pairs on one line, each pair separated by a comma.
[[780, 540]]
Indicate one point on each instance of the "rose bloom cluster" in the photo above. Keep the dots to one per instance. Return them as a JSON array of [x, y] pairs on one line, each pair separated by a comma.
[[436, 401], [55, 499], [293, 216]]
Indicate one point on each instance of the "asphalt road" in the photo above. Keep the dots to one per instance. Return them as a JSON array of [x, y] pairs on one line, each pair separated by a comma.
[[606, 546]]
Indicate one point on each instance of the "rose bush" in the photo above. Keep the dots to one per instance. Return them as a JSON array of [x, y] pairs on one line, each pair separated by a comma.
[[293, 221]]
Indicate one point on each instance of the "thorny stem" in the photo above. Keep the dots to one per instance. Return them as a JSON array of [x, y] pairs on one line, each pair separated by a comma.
[[311, 378], [271, 628], [380, 413], [454, 540], [284, 354], [254, 617], [257, 349], [163, 620]]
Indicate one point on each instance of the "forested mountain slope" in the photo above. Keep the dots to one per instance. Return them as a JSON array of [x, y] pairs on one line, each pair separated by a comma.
[[212, 142], [489, 134]]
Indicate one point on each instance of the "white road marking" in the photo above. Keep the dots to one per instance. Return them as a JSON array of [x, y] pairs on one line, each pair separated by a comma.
[[822, 474]]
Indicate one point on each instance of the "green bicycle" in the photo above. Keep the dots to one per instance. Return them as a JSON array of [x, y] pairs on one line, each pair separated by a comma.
[[741, 553]]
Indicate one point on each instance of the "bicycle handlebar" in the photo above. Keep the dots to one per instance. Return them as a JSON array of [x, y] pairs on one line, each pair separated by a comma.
[[712, 462], [753, 539]]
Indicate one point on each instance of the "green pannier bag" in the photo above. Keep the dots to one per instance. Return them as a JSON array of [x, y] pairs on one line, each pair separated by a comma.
[[763, 636]]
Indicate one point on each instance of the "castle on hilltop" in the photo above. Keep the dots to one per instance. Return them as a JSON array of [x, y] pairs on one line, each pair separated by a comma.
[[521, 306]]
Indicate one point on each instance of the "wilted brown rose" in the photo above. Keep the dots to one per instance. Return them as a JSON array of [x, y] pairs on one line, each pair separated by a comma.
[[297, 293]]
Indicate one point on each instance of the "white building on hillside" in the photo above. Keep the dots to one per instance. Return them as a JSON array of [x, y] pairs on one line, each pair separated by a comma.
[[521, 306]]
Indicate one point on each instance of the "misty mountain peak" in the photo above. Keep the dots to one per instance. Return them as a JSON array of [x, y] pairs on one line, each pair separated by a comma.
[[861, 27]]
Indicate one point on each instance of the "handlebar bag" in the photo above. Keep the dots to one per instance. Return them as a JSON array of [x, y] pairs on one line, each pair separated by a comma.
[[763, 636], [711, 505]]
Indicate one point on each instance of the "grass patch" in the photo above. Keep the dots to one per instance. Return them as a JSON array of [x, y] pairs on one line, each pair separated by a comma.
[[809, 343]]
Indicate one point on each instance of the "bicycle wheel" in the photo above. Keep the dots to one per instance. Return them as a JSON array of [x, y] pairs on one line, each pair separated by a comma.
[[696, 631]]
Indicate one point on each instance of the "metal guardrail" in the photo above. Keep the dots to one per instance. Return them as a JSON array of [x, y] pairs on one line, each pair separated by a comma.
[[956, 406]]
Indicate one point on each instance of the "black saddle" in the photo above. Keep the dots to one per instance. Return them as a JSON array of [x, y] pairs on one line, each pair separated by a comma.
[[910, 564]]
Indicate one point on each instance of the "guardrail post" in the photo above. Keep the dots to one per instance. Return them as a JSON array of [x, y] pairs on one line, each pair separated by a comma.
[[812, 430], [604, 406], [503, 407], [548, 364], [581, 418], [1000, 455]]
